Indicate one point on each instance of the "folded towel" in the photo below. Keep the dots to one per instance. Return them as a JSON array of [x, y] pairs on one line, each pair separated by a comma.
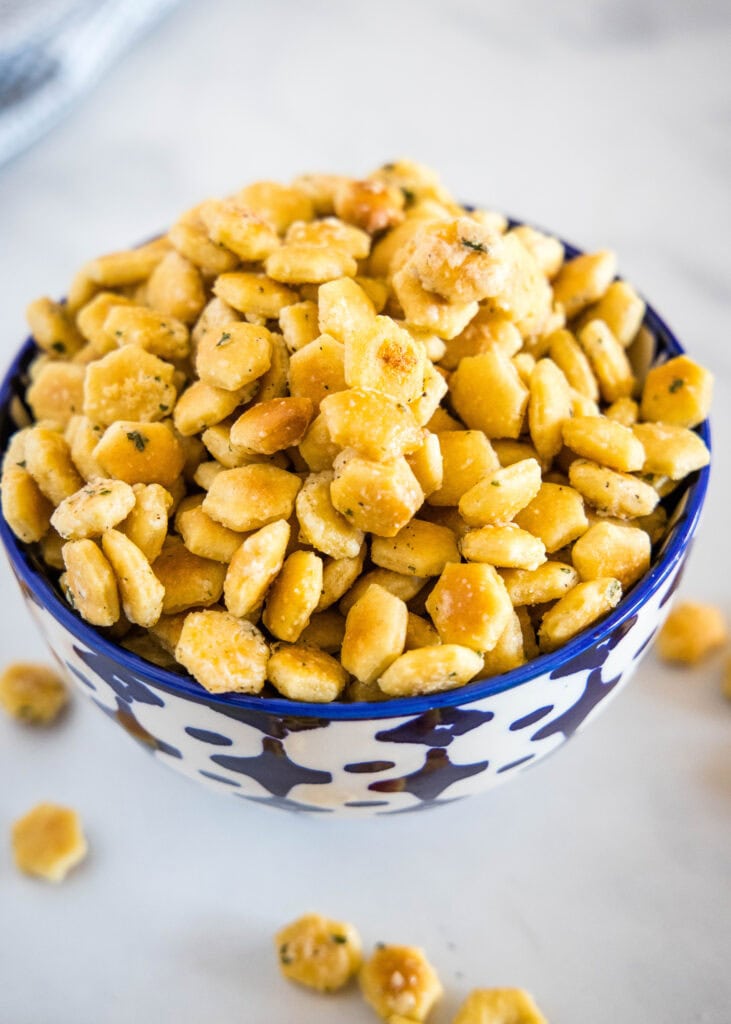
[[52, 51]]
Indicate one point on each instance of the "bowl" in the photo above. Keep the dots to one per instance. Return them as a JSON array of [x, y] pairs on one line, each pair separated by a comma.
[[393, 757]]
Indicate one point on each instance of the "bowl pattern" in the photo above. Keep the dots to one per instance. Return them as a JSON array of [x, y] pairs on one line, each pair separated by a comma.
[[458, 747]]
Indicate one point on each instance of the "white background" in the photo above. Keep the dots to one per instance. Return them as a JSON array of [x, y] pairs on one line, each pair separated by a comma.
[[601, 879]]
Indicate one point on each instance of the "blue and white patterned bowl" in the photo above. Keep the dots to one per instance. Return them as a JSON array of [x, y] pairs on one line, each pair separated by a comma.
[[401, 755]]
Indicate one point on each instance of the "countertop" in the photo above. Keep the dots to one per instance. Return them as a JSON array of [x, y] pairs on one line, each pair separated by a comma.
[[600, 880]]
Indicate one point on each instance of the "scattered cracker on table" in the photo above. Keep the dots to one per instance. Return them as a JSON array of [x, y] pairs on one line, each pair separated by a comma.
[[48, 842], [499, 1006], [319, 953], [692, 631], [32, 692], [400, 980], [280, 403]]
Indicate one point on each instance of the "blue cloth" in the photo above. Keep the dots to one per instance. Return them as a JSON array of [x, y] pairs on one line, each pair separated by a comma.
[[52, 51]]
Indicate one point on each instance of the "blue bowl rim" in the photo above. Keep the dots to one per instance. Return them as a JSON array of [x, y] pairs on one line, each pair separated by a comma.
[[396, 707]]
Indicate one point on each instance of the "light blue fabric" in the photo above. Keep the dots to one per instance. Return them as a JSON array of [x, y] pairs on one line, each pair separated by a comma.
[[52, 51]]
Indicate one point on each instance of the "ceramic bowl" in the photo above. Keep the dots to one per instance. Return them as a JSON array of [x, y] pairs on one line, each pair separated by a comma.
[[402, 755]]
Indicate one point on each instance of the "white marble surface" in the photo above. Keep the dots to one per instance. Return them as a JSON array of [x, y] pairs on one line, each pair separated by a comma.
[[601, 880]]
